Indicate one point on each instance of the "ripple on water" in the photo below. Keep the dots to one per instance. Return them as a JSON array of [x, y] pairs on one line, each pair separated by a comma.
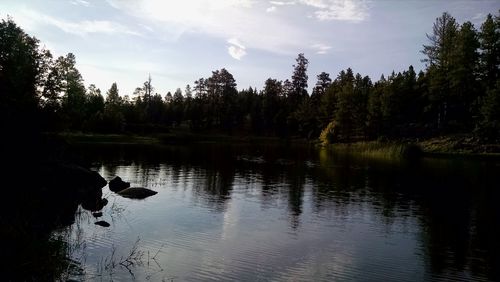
[[308, 221]]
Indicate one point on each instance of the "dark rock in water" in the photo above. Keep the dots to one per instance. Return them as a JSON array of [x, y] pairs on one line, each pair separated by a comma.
[[97, 214], [94, 202], [117, 184], [137, 193], [98, 179], [102, 223], [78, 176]]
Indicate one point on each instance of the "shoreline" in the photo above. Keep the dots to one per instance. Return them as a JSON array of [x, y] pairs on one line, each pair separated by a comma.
[[452, 146], [175, 138]]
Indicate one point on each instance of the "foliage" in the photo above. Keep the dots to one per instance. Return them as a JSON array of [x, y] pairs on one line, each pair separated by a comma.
[[489, 127], [327, 136], [22, 66]]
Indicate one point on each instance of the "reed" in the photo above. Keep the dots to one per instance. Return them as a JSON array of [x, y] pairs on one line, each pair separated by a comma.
[[375, 149]]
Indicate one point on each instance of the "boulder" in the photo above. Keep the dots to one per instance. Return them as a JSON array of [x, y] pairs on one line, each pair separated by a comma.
[[137, 193], [117, 184], [60, 176]]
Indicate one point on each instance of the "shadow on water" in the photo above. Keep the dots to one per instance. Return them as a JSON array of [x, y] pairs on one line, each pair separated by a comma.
[[44, 200]]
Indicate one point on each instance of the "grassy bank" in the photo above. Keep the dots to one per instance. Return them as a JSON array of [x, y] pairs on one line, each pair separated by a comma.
[[458, 145], [463, 146], [377, 149]]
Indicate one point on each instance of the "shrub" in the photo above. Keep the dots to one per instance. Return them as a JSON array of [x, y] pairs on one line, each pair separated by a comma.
[[328, 135]]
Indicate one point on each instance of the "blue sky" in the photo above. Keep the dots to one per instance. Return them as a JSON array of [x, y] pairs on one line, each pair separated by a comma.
[[180, 41]]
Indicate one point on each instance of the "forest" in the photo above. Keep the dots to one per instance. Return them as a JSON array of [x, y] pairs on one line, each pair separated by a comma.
[[457, 93]]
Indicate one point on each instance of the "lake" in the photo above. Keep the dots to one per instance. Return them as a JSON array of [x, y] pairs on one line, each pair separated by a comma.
[[288, 213]]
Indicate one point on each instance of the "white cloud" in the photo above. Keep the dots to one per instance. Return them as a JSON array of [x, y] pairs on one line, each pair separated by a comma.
[[236, 42], [341, 10], [236, 49], [321, 49], [80, 3], [35, 19], [242, 19], [282, 3], [320, 4], [326, 10], [271, 9], [248, 20]]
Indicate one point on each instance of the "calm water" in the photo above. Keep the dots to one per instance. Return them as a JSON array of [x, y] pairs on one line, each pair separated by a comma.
[[284, 213]]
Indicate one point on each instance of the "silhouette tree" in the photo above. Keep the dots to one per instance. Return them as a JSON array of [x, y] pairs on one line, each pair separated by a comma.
[[324, 81], [489, 126], [299, 80], [440, 62], [113, 118], [113, 99], [463, 77], [489, 39], [22, 71]]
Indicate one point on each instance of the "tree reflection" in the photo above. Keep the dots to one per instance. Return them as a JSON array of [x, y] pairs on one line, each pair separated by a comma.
[[452, 201], [213, 188]]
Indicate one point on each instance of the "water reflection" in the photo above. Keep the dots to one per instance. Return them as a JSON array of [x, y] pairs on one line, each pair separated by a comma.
[[286, 213]]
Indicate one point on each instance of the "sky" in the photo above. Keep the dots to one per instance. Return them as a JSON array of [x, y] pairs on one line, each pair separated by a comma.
[[178, 42]]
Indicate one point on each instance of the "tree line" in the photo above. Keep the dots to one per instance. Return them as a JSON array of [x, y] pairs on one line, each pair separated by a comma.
[[458, 92]]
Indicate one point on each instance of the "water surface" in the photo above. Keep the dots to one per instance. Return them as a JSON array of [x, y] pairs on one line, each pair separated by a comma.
[[290, 213]]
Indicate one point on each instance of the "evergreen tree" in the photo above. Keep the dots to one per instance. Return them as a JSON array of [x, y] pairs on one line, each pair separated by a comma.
[[439, 58], [113, 99], [489, 39], [113, 118], [23, 65], [299, 79], [463, 77], [489, 126], [74, 98]]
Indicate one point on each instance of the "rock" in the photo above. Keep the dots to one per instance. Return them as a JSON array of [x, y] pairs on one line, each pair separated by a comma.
[[60, 175], [94, 202], [97, 214], [98, 180], [102, 223], [137, 193], [117, 184], [81, 176]]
